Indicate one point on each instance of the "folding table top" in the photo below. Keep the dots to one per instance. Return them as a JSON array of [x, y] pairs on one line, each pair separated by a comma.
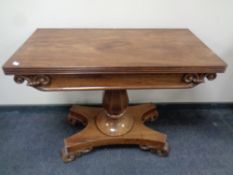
[[113, 51]]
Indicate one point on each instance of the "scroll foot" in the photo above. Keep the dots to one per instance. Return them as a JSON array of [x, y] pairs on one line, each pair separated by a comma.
[[68, 157], [162, 152]]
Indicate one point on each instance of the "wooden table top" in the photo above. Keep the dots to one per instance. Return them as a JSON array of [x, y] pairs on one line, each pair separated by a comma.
[[104, 51]]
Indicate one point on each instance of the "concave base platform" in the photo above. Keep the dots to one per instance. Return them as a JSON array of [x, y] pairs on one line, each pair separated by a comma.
[[91, 136]]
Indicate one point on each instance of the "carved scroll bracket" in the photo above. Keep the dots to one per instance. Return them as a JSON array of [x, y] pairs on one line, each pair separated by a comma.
[[196, 78], [33, 80]]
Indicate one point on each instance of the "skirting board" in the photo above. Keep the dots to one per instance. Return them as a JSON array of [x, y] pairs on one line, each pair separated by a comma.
[[160, 106]]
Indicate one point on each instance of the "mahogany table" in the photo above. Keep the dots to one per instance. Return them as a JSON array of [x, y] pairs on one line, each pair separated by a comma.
[[113, 60]]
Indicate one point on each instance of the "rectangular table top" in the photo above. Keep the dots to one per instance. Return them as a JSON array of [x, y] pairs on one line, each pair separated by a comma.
[[104, 51]]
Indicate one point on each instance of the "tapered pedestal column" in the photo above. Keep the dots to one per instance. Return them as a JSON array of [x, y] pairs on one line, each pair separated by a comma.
[[115, 123]]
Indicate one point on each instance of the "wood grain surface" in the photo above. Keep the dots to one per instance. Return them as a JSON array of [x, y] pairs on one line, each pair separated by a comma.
[[113, 51]]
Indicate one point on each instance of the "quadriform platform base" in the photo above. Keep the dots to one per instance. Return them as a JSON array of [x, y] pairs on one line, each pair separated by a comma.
[[114, 61], [115, 123]]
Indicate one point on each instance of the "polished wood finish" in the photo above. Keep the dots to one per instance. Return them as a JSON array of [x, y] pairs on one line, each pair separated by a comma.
[[91, 137], [113, 60], [114, 120], [113, 51], [113, 82], [115, 102]]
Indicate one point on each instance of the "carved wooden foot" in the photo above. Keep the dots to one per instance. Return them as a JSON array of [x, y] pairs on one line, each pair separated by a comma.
[[162, 152], [129, 128]]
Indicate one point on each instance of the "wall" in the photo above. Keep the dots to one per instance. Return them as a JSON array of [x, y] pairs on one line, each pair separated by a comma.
[[210, 20]]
